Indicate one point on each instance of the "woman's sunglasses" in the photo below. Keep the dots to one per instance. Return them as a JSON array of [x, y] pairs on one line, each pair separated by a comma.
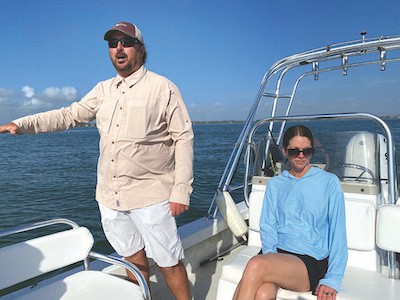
[[124, 42], [296, 152]]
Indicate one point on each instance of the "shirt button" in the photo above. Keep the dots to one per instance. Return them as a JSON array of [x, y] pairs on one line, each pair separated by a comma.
[[112, 160]]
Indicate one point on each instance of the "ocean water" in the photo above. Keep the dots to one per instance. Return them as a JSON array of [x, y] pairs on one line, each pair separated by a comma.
[[53, 175]]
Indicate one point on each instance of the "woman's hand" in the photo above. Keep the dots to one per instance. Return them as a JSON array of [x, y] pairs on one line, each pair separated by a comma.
[[324, 292]]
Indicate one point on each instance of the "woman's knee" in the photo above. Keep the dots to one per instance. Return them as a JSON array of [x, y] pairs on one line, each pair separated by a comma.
[[263, 262], [257, 266]]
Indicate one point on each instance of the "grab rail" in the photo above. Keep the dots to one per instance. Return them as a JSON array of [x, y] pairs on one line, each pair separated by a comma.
[[393, 193], [37, 225]]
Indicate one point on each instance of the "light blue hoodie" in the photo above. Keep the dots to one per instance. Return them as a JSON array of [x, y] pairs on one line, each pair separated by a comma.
[[307, 216]]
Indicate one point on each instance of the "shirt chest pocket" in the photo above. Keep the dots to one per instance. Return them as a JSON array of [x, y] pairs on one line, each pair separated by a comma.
[[137, 119]]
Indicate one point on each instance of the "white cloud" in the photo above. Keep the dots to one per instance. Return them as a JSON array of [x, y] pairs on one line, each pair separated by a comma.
[[51, 92], [218, 107], [33, 102], [194, 108], [28, 91], [66, 93], [5, 95], [18, 103], [70, 92], [5, 92]]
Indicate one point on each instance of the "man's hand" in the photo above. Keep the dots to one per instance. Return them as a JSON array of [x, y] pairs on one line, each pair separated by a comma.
[[177, 208], [9, 127]]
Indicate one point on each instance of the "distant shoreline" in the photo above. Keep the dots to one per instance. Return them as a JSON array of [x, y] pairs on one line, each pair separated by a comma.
[[219, 122], [238, 121], [193, 122], [241, 122]]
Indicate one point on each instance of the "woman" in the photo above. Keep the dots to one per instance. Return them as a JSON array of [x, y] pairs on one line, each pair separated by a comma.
[[302, 229]]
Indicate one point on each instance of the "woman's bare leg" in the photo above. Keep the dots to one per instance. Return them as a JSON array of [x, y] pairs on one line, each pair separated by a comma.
[[267, 291], [269, 272]]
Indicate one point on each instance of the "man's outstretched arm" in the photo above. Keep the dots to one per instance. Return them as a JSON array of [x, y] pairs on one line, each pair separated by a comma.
[[9, 127]]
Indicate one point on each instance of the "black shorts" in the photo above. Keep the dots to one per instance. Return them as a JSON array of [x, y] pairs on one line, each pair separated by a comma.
[[316, 268]]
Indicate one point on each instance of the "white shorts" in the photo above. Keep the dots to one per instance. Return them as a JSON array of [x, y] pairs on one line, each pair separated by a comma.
[[152, 228]]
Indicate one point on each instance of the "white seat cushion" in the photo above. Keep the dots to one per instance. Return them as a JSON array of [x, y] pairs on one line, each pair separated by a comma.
[[361, 284], [88, 285], [358, 284], [360, 220], [388, 227], [38, 256], [233, 270]]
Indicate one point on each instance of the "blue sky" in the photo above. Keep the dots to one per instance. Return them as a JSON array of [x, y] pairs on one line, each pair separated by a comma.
[[52, 51]]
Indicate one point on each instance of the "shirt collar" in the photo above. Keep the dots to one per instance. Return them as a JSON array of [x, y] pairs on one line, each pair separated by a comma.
[[132, 79]]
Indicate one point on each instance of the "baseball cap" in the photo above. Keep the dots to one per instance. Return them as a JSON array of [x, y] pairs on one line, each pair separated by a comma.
[[127, 28]]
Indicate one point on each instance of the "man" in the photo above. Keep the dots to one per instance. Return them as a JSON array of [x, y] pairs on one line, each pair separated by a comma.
[[145, 168]]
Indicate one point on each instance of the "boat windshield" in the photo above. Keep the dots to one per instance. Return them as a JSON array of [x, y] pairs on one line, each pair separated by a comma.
[[351, 155]]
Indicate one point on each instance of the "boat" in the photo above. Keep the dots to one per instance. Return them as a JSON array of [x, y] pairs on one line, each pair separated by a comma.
[[218, 246]]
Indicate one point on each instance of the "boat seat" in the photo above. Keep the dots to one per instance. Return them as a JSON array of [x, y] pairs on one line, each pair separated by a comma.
[[363, 266], [28, 259], [357, 284], [86, 285]]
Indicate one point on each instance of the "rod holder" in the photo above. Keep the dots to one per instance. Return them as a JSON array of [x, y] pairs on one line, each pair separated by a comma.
[[345, 60], [382, 57], [315, 68], [363, 34]]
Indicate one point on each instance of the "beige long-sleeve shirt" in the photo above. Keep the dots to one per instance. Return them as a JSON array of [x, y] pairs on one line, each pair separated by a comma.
[[146, 139]]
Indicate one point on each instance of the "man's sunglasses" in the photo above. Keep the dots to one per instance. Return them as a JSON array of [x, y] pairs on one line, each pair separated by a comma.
[[296, 152], [124, 42]]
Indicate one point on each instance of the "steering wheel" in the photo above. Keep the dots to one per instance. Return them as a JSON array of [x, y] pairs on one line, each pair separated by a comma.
[[354, 166]]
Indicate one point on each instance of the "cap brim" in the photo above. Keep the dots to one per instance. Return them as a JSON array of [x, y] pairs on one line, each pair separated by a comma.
[[111, 32]]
